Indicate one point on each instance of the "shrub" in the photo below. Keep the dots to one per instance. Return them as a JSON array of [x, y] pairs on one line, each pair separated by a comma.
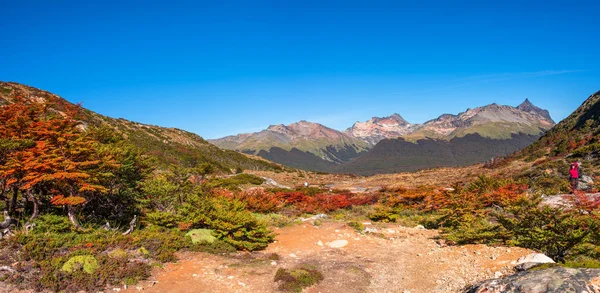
[[50, 223], [297, 278], [260, 201], [473, 229], [89, 259], [163, 219], [383, 214], [230, 221], [553, 231], [234, 182], [358, 226]]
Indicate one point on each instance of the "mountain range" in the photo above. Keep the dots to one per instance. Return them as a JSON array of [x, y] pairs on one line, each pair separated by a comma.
[[367, 147], [379, 145]]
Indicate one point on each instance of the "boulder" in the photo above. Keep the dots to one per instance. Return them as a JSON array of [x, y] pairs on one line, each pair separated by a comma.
[[585, 182], [338, 243], [535, 258], [552, 280], [586, 179]]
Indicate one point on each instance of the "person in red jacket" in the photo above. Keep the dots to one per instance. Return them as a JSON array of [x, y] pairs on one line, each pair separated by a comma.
[[574, 174]]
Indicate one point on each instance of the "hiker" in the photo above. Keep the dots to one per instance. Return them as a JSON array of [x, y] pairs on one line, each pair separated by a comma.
[[574, 172]]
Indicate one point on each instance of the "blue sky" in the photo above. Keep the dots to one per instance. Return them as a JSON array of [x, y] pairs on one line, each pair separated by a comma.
[[223, 67]]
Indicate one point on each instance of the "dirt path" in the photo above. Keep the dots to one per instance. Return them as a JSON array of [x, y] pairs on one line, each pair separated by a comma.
[[397, 259]]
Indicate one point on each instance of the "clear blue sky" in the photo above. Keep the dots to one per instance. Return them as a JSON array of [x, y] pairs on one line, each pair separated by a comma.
[[224, 67]]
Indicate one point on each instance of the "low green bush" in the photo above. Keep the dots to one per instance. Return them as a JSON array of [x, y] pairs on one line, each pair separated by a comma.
[[88, 259], [297, 278], [383, 214], [358, 226], [234, 182], [164, 219], [553, 231], [229, 219]]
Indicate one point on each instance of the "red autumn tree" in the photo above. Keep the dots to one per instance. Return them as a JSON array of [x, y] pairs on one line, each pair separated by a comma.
[[62, 163]]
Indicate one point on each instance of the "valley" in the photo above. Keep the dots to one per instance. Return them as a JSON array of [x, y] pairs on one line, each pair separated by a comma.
[[213, 220], [392, 144], [299, 147]]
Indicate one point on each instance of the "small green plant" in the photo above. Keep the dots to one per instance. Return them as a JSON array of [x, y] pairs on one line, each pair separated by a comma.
[[297, 278], [383, 214], [201, 235], [88, 263], [358, 226]]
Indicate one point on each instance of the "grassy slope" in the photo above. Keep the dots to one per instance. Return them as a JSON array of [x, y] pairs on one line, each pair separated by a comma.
[[572, 136], [167, 145]]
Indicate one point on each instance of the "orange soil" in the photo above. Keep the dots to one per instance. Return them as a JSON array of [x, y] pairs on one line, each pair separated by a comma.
[[396, 259]]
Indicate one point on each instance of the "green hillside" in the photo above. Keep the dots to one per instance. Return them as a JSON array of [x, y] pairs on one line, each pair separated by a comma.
[[166, 145], [577, 136]]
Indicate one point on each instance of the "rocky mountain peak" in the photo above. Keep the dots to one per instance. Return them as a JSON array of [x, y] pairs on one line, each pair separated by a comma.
[[394, 118], [529, 107], [378, 128]]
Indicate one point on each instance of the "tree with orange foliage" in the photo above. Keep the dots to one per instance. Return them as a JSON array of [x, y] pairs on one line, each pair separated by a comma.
[[62, 163]]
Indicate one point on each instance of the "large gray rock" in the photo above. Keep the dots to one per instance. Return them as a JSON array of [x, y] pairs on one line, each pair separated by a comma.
[[552, 280], [532, 260], [536, 258], [586, 179], [585, 182]]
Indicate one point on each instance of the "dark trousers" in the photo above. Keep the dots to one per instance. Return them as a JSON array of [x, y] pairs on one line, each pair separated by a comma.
[[574, 183]]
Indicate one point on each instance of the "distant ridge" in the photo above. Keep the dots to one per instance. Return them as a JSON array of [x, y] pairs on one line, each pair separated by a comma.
[[314, 146]]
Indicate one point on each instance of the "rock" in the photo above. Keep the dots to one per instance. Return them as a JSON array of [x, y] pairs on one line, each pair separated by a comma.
[[273, 263], [139, 288], [535, 258], [585, 182], [421, 227], [293, 255], [321, 216], [498, 274], [552, 280], [370, 230], [315, 217], [320, 243], [338, 243], [586, 179]]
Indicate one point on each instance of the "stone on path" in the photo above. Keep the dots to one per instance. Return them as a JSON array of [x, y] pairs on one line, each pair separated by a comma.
[[338, 243]]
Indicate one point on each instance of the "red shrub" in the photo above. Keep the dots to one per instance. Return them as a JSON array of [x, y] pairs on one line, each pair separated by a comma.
[[583, 202], [261, 201]]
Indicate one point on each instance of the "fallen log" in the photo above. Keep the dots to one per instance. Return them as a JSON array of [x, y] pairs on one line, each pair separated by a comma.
[[131, 225]]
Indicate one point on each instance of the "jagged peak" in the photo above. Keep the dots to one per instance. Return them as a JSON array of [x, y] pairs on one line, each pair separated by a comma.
[[397, 117], [275, 126], [526, 104]]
